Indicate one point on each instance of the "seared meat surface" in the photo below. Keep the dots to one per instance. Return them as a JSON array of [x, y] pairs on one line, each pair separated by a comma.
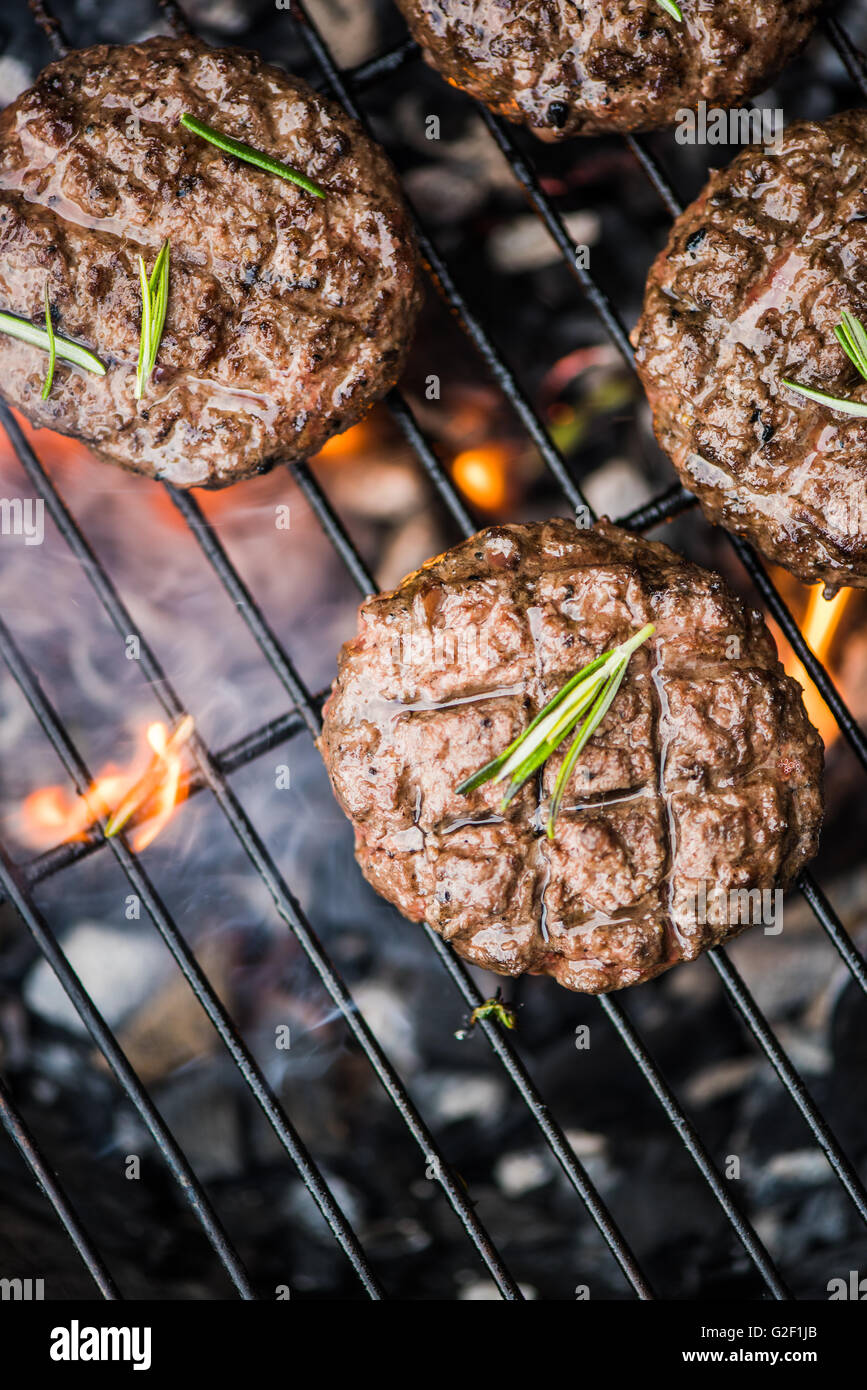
[[747, 293], [574, 69], [288, 314], [703, 777]]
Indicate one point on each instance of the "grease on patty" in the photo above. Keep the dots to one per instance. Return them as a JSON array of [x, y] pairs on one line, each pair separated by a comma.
[[704, 771]]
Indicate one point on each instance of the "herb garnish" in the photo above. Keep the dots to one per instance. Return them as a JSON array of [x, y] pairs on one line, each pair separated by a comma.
[[495, 1008], [852, 337], [52, 349], [589, 692], [64, 348], [672, 9], [229, 145], [154, 301]]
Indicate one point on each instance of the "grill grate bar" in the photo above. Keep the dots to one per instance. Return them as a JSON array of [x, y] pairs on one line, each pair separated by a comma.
[[334, 529], [833, 927], [186, 961], [734, 987], [556, 1139], [546, 211], [24, 1141], [677, 501], [287, 905], [662, 508], [499, 370], [691, 1141], [19, 894], [235, 756], [50, 27], [366, 74], [846, 721], [776, 1055], [211, 772], [851, 57], [553, 1134], [431, 464]]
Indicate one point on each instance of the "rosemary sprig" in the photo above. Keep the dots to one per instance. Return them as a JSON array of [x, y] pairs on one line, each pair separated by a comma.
[[52, 348], [852, 337], [672, 9], [64, 348], [240, 150], [586, 696], [154, 301], [497, 1009]]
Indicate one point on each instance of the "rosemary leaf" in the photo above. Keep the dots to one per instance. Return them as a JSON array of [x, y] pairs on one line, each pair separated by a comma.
[[484, 774], [154, 302], [588, 693], [64, 348], [52, 348], [557, 712], [589, 727], [852, 338], [490, 770], [858, 408], [144, 336], [240, 150], [496, 1009], [543, 753], [671, 8]]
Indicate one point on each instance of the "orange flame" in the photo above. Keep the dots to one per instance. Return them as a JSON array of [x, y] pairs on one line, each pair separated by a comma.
[[348, 445], [482, 476], [819, 625], [148, 797]]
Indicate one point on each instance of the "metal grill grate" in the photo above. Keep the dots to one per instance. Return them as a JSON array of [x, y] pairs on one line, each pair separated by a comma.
[[212, 772]]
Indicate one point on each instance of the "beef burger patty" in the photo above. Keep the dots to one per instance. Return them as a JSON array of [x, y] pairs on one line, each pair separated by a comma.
[[703, 778], [574, 69], [288, 314], [747, 294]]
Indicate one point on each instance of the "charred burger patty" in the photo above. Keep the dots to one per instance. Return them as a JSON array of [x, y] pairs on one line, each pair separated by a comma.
[[288, 314], [703, 778], [746, 298], [574, 69]]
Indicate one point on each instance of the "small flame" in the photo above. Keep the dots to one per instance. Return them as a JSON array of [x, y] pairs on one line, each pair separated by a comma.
[[482, 476], [819, 625], [149, 796], [348, 445]]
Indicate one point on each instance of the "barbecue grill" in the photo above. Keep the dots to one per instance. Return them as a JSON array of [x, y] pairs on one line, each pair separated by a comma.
[[213, 770]]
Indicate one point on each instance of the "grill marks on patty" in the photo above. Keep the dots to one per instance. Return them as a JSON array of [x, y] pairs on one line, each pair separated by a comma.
[[288, 315], [748, 292], [705, 767], [569, 69]]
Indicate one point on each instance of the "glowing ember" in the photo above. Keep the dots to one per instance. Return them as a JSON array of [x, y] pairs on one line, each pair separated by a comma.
[[482, 476], [819, 624], [146, 796], [347, 445]]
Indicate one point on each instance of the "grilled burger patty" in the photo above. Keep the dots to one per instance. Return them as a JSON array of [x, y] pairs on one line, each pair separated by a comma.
[[703, 777], [288, 314], [574, 69], [747, 293]]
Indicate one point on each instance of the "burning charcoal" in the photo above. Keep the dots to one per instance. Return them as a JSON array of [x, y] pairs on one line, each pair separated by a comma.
[[523, 243], [522, 1172], [171, 1029], [120, 969]]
